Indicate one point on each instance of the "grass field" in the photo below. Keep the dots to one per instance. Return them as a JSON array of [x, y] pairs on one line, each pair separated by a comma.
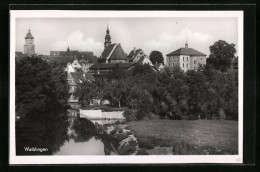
[[188, 136]]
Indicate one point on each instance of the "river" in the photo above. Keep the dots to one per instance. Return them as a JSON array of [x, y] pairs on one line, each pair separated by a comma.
[[84, 140], [62, 135]]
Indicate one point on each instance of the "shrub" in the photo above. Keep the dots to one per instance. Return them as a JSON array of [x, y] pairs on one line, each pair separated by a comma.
[[129, 115]]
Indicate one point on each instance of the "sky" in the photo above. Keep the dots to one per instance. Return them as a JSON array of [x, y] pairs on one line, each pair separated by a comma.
[[161, 34]]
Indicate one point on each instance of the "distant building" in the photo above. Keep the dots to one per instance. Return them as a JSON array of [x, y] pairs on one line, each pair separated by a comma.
[[234, 64], [159, 66], [29, 46], [138, 56], [113, 53], [186, 58], [101, 70], [64, 57], [76, 76], [134, 55]]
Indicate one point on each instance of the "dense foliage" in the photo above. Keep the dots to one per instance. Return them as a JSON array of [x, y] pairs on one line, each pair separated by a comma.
[[41, 95], [156, 57], [203, 94], [221, 55]]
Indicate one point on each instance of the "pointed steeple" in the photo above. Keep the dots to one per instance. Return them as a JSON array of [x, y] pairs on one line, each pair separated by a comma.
[[186, 44], [68, 49], [107, 29], [107, 38]]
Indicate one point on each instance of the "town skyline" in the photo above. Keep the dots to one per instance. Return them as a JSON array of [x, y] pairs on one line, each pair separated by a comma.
[[88, 34]]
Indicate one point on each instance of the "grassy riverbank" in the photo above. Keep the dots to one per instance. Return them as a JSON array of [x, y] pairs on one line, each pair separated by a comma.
[[188, 136]]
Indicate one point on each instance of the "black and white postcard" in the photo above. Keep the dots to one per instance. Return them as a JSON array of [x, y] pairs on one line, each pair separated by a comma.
[[126, 87]]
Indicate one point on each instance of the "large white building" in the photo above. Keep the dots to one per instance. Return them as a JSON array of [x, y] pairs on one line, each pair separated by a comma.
[[187, 58]]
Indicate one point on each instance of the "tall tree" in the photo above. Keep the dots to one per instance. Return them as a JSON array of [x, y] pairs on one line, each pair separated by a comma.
[[156, 57], [116, 91], [40, 86], [85, 92], [221, 55], [41, 94]]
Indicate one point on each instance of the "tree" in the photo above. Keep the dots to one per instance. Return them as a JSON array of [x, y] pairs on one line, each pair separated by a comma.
[[40, 86], [100, 87], [41, 94], [85, 92], [116, 91], [156, 57], [116, 73], [221, 55]]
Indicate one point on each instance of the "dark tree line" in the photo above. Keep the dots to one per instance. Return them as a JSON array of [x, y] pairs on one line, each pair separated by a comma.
[[211, 92], [174, 94]]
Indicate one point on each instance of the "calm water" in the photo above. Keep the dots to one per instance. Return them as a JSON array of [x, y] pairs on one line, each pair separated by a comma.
[[63, 136], [88, 143]]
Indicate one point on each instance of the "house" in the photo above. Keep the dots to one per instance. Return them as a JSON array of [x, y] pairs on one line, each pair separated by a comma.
[[138, 56], [74, 79], [159, 66], [101, 70], [134, 55], [186, 58]]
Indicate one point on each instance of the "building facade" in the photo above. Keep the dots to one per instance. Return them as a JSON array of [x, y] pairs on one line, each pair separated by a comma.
[[29, 46], [187, 58]]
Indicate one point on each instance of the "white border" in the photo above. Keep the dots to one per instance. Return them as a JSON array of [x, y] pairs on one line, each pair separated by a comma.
[[93, 159]]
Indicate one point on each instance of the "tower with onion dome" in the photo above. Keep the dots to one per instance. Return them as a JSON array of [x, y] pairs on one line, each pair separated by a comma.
[[29, 46]]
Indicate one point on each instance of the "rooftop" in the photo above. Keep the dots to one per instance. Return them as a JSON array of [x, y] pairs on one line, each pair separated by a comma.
[[186, 51]]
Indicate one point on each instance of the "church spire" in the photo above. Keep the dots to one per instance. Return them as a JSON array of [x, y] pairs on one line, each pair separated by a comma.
[[107, 38]]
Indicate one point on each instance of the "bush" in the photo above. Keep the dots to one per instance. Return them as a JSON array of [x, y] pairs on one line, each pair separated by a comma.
[[129, 115], [142, 151]]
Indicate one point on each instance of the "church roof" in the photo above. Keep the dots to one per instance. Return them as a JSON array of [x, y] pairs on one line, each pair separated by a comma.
[[113, 52], [29, 35], [186, 51]]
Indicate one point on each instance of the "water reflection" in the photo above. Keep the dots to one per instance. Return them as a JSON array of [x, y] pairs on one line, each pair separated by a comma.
[[62, 135], [41, 134], [86, 140]]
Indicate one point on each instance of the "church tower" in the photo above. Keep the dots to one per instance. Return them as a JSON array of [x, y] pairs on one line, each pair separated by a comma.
[[29, 47], [107, 38]]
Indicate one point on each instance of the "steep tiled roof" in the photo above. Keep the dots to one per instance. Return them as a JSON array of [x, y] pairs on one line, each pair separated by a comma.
[[107, 51], [113, 52], [133, 53], [186, 51]]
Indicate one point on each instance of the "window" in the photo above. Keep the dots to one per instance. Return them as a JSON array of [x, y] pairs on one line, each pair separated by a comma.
[[168, 58], [183, 58], [201, 58], [187, 58], [187, 65], [183, 64]]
